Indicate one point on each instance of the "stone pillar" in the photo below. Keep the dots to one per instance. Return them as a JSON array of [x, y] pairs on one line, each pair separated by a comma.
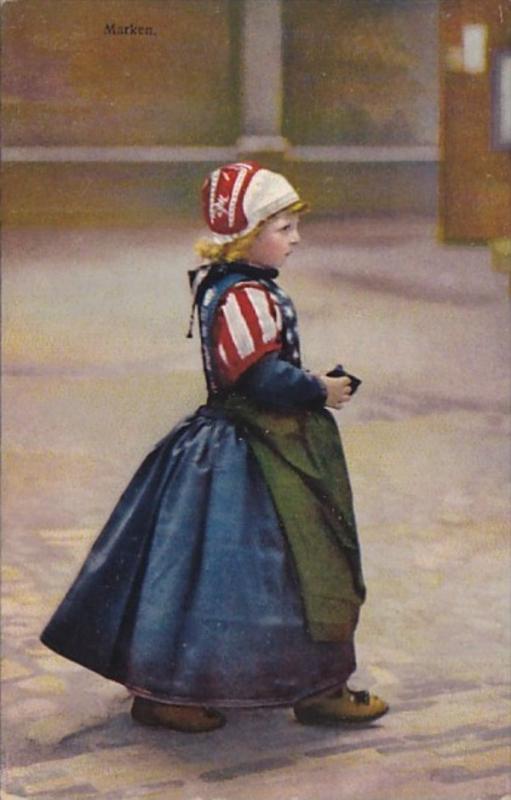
[[261, 78]]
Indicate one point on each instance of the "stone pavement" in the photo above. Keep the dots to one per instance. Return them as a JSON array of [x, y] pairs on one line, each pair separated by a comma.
[[97, 369]]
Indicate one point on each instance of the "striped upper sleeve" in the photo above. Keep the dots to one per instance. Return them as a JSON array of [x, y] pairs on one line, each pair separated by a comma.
[[247, 326]]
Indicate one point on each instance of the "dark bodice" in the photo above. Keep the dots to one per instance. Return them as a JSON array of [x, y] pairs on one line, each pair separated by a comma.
[[277, 380]]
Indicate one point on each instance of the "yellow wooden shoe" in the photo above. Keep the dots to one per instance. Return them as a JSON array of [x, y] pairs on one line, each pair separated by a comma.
[[187, 719], [341, 706]]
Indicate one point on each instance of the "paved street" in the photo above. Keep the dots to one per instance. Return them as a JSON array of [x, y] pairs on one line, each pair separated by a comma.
[[97, 369]]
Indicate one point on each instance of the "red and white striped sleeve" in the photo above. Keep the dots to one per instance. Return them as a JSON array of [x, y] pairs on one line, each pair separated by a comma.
[[247, 326]]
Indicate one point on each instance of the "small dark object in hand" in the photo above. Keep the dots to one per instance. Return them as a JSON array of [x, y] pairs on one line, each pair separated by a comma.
[[340, 372]]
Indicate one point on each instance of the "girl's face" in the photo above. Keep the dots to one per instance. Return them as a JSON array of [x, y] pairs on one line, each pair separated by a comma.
[[276, 240]]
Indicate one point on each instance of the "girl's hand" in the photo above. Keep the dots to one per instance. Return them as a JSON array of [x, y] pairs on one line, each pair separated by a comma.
[[338, 391]]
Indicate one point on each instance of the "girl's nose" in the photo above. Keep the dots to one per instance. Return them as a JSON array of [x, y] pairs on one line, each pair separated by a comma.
[[295, 238]]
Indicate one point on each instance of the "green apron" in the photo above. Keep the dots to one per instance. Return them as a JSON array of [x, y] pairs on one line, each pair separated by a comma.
[[301, 458]]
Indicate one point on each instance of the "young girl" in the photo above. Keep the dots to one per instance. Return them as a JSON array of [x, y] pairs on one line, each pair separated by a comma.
[[229, 572]]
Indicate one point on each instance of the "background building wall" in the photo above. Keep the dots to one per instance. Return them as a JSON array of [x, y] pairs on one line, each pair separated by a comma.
[[356, 75], [360, 72], [67, 81], [475, 178]]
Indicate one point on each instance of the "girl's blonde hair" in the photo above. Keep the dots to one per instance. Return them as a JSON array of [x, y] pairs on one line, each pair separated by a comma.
[[238, 249]]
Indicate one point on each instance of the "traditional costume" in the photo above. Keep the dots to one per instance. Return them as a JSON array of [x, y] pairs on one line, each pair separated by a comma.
[[229, 572]]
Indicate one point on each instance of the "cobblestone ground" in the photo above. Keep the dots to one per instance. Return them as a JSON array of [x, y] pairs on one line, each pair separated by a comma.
[[97, 369]]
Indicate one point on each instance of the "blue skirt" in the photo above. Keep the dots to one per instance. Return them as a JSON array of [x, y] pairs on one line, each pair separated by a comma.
[[189, 594]]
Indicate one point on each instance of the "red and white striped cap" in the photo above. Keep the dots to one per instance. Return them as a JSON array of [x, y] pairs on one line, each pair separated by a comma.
[[237, 197]]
